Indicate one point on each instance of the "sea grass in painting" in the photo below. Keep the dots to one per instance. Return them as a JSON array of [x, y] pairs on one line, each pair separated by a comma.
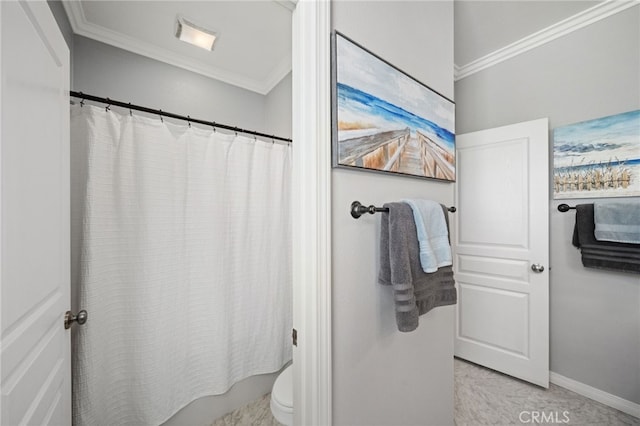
[[598, 158]]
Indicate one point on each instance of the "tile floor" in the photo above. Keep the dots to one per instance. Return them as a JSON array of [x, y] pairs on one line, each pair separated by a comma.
[[256, 413], [486, 397]]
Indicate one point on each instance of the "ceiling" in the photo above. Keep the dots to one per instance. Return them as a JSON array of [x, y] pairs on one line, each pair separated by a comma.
[[253, 50]]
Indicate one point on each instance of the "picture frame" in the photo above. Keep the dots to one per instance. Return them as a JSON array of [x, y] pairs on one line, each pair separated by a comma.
[[386, 121], [598, 158]]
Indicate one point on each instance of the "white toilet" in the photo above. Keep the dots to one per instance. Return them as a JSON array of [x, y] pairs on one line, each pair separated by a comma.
[[282, 397]]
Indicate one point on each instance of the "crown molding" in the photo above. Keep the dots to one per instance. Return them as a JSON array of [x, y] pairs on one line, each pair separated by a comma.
[[287, 4], [278, 73], [560, 29], [83, 27], [75, 13]]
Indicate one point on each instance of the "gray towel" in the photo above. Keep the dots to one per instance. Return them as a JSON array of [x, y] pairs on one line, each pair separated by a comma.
[[617, 221], [602, 254], [415, 292]]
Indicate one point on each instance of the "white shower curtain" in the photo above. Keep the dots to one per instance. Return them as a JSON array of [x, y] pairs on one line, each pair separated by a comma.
[[181, 248]]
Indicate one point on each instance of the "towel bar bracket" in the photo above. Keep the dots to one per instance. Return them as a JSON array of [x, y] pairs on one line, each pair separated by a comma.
[[565, 208], [357, 209]]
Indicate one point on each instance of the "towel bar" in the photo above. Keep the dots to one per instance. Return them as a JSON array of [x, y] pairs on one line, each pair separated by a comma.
[[357, 209]]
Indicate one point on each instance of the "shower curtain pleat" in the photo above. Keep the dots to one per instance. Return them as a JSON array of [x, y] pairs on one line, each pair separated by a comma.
[[181, 248]]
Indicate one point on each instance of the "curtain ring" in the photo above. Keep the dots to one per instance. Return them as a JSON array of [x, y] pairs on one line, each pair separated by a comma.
[[161, 119], [108, 107], [81, 102], [189, 120], [130, 112]]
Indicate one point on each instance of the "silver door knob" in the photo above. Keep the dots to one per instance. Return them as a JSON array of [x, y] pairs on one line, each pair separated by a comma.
[[69, 318], [536, 267]]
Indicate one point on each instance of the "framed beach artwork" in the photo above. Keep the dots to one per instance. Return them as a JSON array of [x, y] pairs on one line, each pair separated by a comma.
[[385, 120], [598, 158]]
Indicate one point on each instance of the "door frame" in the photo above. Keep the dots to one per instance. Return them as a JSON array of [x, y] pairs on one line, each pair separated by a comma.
[[312, 200], [311, 186]]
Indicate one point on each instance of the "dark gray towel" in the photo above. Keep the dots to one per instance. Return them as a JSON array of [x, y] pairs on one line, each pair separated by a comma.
[[415, 292], [622, 257]]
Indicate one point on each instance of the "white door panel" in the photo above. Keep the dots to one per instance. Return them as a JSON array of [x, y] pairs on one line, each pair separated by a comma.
[[505, 328], [502, 228], [514, 270], [496, 174], [35, 349]]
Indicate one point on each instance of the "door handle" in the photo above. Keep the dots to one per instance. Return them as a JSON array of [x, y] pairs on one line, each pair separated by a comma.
[[536, 267], [69, 318]]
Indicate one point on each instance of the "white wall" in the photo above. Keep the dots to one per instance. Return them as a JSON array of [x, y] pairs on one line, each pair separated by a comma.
[[65, 28], [591, 73], [63, 22], [104, 70], [382, 376]]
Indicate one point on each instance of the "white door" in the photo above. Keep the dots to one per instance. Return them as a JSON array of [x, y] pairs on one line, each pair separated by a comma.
[[34, 262], [501, 248]]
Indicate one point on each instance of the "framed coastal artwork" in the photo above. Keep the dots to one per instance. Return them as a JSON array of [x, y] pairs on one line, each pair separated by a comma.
[[598, 158], [384, 120]]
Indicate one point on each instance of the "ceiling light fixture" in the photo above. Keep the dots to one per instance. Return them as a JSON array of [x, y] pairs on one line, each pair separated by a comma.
[[194, 34]]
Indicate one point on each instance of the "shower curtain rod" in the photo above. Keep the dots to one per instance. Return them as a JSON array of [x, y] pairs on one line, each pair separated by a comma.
[[161, 113]]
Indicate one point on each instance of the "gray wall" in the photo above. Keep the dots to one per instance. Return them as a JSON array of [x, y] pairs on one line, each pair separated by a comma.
[[104, 70], [591, 73], [278, 108], [382, 376]]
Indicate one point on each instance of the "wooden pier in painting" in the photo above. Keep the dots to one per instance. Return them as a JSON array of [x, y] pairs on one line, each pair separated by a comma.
[[397, 151]]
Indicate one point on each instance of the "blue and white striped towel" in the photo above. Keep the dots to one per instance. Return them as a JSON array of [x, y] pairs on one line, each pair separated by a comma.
[[617, 221]]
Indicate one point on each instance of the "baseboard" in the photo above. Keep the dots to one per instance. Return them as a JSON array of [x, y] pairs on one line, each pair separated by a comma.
[[602, 397]]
